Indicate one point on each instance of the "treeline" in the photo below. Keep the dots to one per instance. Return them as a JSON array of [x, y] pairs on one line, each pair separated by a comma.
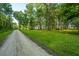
[[49, 16], [5, 16]]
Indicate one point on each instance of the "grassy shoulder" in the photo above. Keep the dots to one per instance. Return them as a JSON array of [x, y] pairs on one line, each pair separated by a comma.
[[61, 43], [3, 36]]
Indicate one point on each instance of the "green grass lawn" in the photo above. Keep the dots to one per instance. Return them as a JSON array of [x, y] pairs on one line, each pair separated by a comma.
[[61, 43], [3, 36]]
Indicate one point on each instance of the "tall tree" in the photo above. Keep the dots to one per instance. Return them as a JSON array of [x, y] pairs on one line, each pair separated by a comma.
[[5, 12]]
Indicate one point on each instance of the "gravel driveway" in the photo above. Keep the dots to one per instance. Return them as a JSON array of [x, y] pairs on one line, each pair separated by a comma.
[[18, 44]]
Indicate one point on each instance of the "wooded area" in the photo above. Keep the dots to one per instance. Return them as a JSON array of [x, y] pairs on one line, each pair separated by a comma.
[[41, 16], [49, 16], [5, 16]]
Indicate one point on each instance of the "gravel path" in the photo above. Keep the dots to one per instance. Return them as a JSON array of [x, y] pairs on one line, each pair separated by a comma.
[[18, 44]]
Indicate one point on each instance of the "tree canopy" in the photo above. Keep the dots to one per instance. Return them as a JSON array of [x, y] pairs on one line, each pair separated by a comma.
[[5, 13], [49, 15]]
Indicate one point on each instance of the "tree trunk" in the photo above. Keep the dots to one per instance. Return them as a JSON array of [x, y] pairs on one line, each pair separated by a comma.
[[31, 24], [40, 25]]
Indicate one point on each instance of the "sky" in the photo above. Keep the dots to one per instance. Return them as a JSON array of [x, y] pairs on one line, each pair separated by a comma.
[[18, 7]]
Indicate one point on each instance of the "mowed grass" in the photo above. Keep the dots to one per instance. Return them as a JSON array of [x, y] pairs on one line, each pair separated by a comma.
[[61, 43], [3, 36]]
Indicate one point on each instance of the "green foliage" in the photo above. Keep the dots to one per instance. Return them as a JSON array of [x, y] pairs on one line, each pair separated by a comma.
[[69, 12], [5, 16], [49, 16], [5, 22], [6, 8], [21, 17]]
